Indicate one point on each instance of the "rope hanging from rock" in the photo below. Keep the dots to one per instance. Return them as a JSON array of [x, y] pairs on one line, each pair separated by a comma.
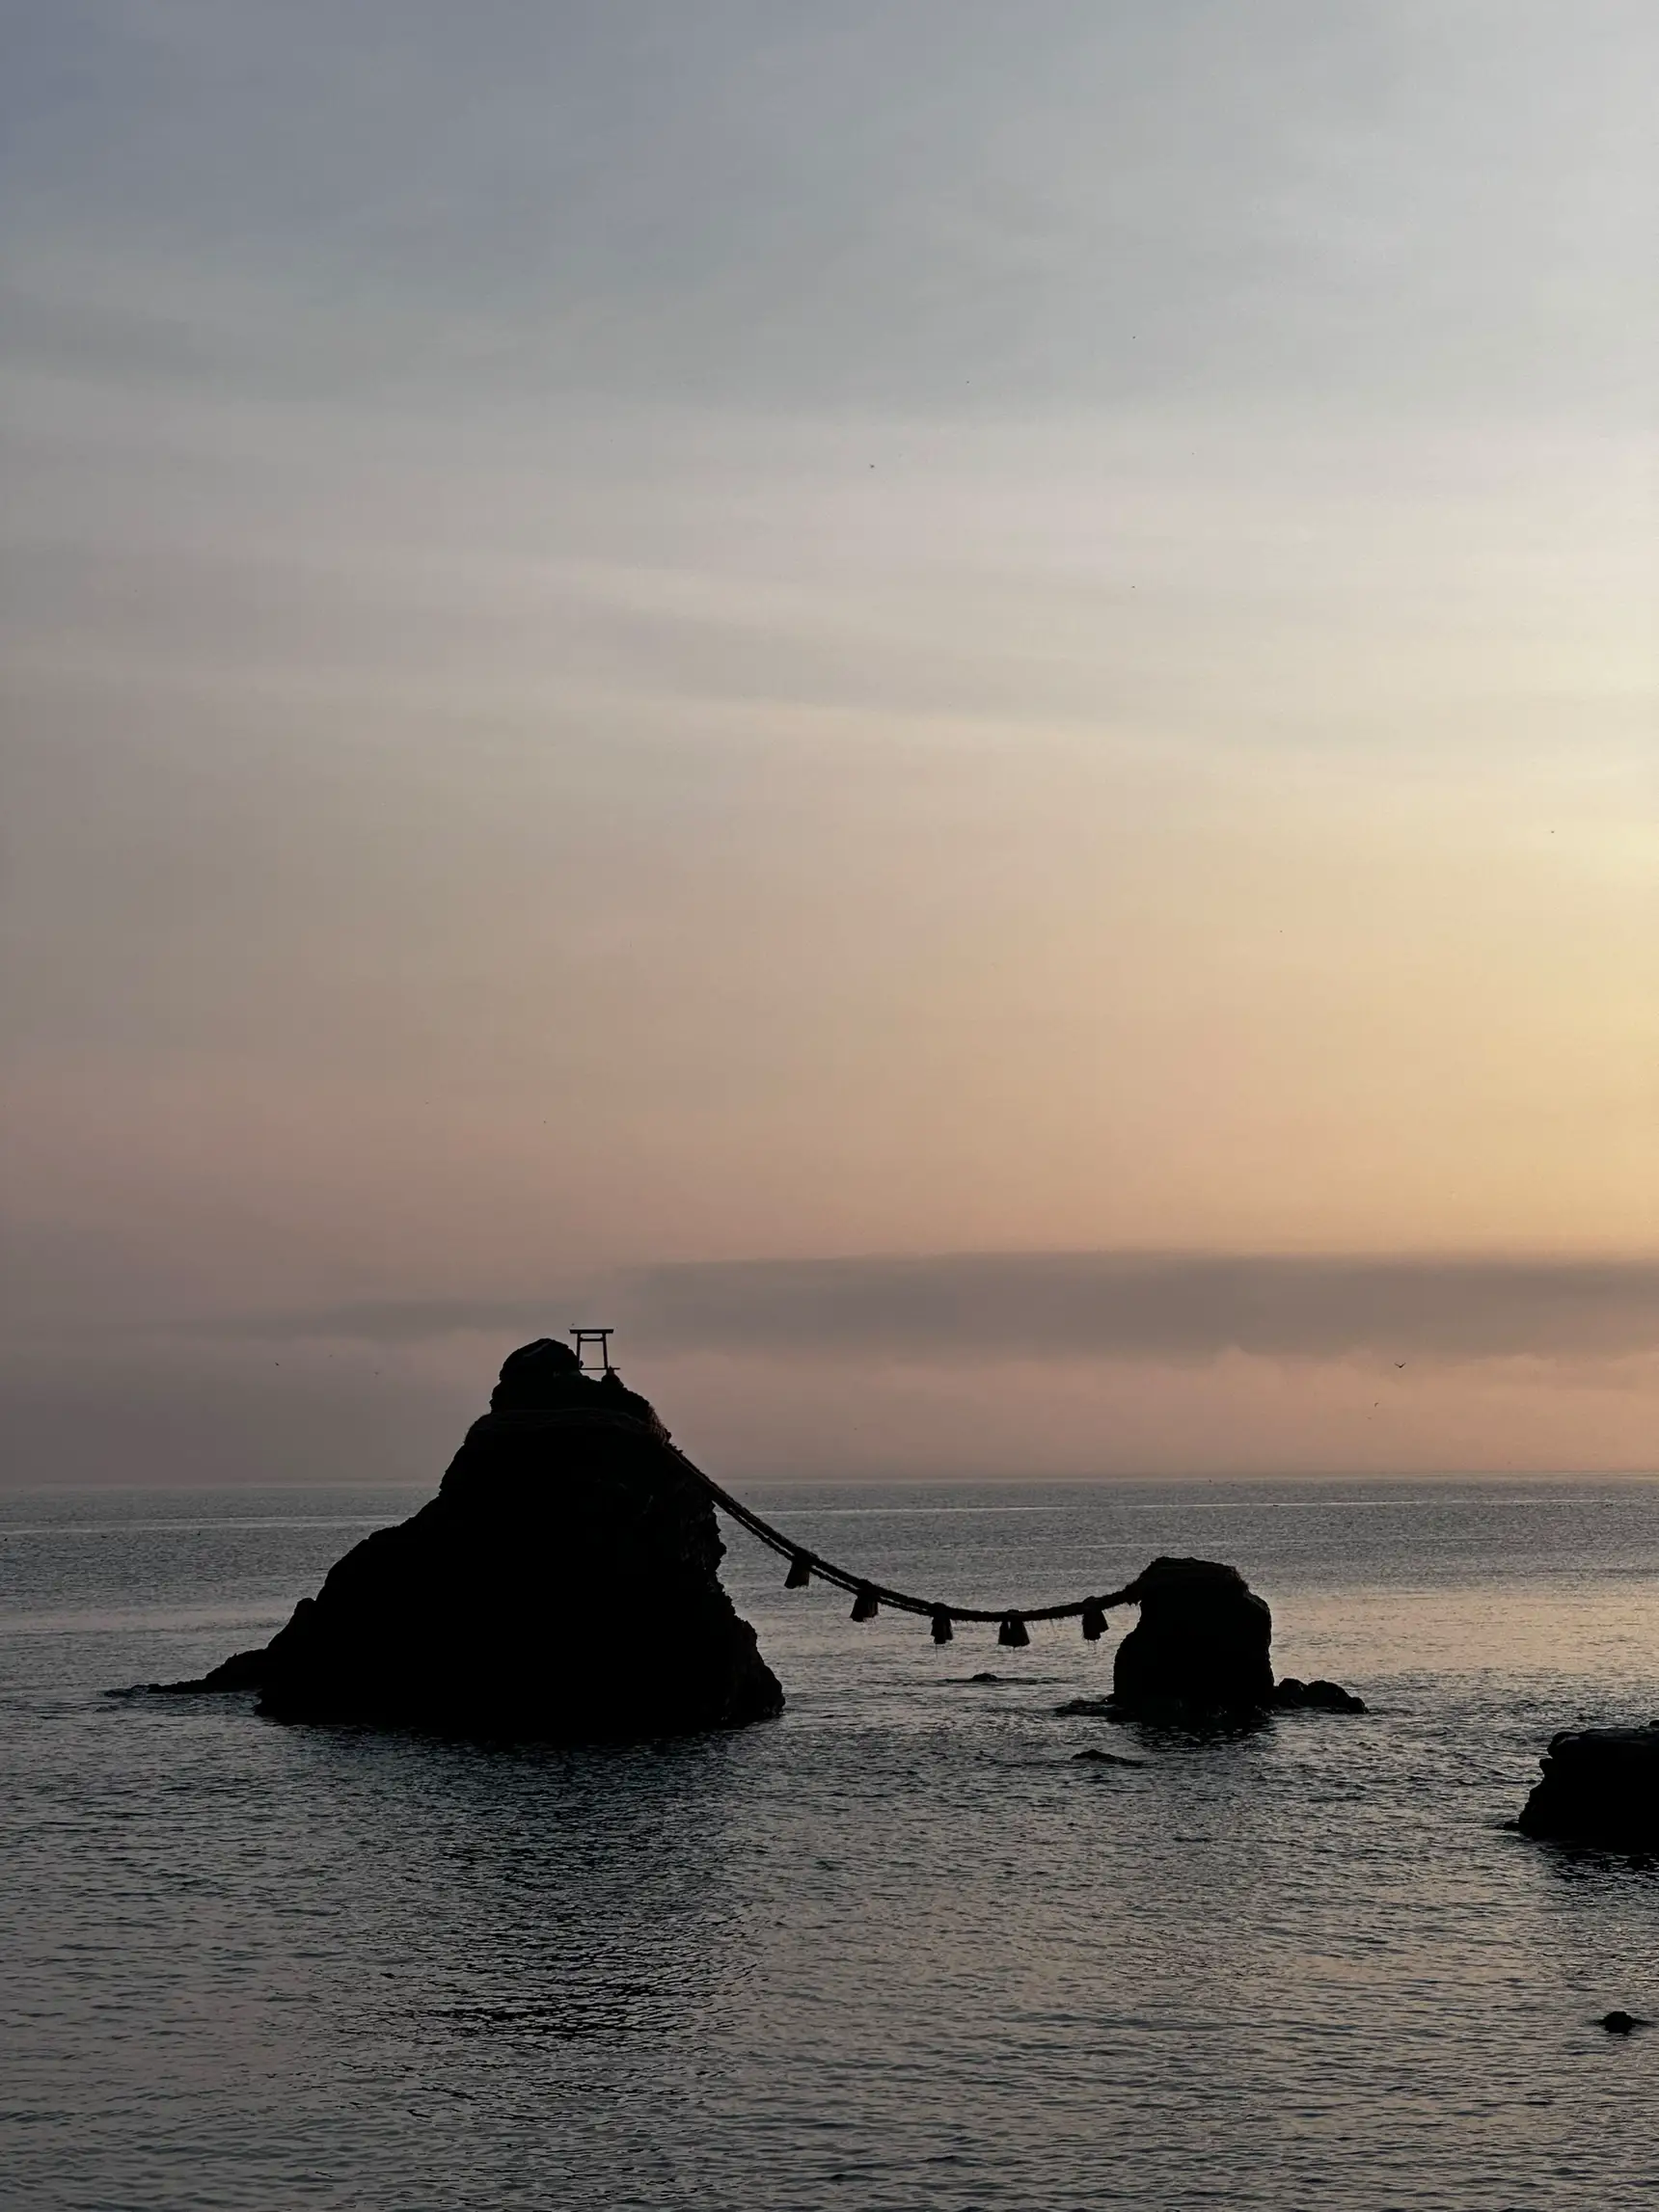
[[868, 1598]]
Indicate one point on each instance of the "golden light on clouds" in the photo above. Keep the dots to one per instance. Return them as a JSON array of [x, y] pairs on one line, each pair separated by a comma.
[[606, 730]]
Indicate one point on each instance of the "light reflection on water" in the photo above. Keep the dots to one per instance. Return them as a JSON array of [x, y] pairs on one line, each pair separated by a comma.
[[897, 1950]]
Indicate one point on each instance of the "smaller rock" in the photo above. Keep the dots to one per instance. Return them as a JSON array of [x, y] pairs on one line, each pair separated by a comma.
[[1317, 1696], [1621, 2023], [985, 1678], [1107, 1758], [1200, 1648], [1085, 1708]]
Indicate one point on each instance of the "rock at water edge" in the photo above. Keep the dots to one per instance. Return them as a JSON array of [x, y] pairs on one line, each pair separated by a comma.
[[1600, 1785], [563, 1586]]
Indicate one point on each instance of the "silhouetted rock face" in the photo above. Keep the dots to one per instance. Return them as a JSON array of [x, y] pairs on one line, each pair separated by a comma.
[[1200, 1645], [1600, 1785], [563, 1585]]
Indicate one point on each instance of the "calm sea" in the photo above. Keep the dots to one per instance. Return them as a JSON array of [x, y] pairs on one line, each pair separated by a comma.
[[897, 1950]]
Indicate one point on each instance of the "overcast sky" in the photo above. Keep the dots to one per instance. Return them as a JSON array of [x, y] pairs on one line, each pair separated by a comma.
[[952, 705]]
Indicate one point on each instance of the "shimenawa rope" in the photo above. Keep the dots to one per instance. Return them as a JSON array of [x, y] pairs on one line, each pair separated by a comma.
[[868, 1597]]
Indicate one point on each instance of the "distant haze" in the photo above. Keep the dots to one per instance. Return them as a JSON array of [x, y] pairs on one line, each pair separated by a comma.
[[952, 707]]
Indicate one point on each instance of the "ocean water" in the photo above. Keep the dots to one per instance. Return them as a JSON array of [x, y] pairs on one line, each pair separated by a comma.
[[899, 1949]]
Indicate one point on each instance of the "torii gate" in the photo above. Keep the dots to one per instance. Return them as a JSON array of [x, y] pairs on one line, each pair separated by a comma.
[[587, 1337]]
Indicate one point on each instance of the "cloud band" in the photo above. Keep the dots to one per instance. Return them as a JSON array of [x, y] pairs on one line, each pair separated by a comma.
[[947, 1308]]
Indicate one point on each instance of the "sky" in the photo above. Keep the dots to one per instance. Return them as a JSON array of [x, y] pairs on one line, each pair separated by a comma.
[[951, 707]]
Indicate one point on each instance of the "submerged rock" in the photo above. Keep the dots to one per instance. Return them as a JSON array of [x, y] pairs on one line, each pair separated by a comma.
[[563, 1586], [1317, 1696], [1600, 1785]]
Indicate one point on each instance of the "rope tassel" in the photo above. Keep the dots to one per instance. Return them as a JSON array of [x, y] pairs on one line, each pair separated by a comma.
[[868, 1598]]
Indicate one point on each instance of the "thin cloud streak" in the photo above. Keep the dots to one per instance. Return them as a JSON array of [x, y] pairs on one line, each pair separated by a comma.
[[1156, 1305], [398, 1321], [949, 1307]]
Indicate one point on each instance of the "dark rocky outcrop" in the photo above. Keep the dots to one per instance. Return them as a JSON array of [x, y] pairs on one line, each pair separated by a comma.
[[1201, 1646], [1202, 1650], [1600, 1785], [563, 1586], [1317, 1696]]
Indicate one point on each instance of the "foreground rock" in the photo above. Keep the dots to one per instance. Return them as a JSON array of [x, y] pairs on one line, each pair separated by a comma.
[[1202, 1650], [1600, 1785], [563, 1586]]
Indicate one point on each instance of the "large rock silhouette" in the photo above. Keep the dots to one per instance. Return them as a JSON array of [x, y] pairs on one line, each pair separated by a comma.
[[1600, 1785], [563, 1586], [1202, 1644]]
